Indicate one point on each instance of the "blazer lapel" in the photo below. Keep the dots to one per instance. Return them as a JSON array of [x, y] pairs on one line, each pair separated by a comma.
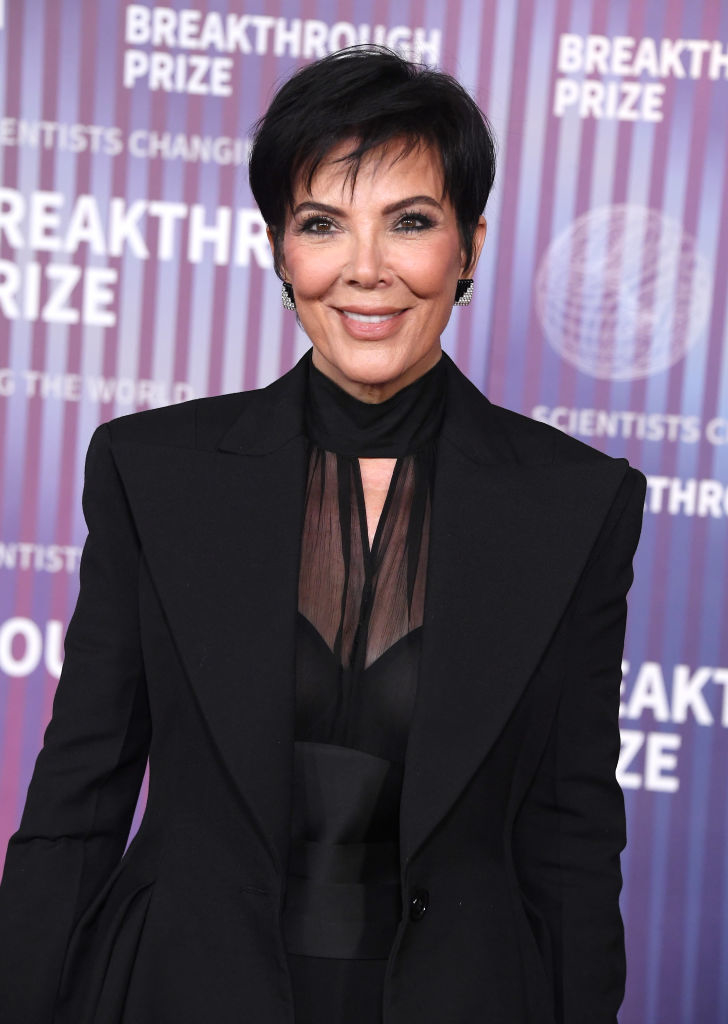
[[509, 537], [220, 531]]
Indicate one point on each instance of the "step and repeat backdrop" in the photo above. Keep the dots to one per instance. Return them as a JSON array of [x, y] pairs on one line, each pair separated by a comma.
[[135, 272]]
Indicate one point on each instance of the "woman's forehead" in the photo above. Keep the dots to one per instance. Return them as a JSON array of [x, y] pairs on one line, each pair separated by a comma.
[[393, 164]]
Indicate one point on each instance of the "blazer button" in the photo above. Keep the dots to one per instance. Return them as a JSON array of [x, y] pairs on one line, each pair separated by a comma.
[[419, 901]]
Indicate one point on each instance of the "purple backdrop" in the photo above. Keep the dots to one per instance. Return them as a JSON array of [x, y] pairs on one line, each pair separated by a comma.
[[134, 272]]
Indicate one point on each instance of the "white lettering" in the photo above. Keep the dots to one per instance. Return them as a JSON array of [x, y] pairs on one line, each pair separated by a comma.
[[56, 309], [622, 47], [287, 37], [213, 33], [54, 648], [625, 56], [85, 226], [682, 497], [566, 95], [687, 695], [262, 23], [596, 55], [7, 382], [168, 214], [718, 61], [189, 30], [44, 221], [426, 48], [138, 18], [98, 296], [659, 760], [570, 53], [14, 664], [12, 211], [716, 431], [315, 34], [51, 558], [251, 239], [124, 228], [670, 62], [136, 66], [697, 49], [9, 289], [720, 677], [632, 741], [164, 25], [217, 233], [235, 27], [645, 59], [649, 693], [623, 101]]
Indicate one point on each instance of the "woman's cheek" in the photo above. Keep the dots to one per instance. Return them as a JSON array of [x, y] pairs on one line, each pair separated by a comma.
[[314, 273], [425, 271]]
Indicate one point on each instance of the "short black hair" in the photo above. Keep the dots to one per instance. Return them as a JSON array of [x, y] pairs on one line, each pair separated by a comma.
[[371, 94]]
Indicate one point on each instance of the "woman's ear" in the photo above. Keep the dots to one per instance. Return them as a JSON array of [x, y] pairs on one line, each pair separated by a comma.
[[272, 243], [481, 229]]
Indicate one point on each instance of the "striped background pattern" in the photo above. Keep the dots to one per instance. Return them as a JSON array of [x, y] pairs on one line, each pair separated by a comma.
[[221, 328]]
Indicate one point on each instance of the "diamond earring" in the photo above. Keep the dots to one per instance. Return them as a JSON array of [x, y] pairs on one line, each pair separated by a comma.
[[287, 296], [464, 291]]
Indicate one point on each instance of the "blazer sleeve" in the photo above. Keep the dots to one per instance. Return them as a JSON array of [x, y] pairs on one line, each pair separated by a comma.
[[571, 828], [88, 774]]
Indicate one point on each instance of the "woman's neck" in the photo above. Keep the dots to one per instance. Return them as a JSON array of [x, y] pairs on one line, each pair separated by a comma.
[[403, 423]]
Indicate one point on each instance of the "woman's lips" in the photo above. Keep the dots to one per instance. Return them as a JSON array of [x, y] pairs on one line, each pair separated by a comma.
[[378, 324], [369, 318]]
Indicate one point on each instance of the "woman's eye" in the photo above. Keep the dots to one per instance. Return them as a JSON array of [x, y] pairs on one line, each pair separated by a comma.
[[317, 226], [414, 222]]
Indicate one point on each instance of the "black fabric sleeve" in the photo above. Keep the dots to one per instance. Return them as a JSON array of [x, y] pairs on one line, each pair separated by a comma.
[[88, 774], [571, 828]]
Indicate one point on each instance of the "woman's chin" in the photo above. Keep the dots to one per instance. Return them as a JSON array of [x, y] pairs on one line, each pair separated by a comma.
[[383, 372]]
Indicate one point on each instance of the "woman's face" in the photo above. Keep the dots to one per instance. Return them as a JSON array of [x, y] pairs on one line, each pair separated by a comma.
[[374, 269]]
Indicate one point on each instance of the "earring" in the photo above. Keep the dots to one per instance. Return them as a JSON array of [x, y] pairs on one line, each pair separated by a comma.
[[287, 296], [464, 291]]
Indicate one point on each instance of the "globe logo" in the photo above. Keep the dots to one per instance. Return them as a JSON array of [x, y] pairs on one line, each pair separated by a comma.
[[623, 292]]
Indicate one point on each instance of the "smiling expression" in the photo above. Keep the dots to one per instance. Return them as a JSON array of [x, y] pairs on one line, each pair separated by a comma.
[[374, 268]]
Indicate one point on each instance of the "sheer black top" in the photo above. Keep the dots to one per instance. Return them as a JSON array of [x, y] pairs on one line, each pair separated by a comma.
[[359, 627]]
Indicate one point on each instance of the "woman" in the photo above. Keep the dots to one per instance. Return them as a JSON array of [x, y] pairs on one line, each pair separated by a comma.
[[368, 628]]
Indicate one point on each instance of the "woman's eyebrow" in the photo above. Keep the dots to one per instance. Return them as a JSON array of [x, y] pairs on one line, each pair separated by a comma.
[[401, 204], [322, 207]]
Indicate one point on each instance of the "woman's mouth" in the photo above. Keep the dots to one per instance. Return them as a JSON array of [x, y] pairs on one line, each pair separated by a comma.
[[369, 318], [377, 324]]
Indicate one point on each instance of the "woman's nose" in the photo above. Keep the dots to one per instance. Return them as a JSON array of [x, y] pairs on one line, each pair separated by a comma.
[[366, 265]]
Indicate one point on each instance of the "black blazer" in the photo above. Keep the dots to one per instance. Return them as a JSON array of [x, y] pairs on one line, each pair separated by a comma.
[[182, 647]]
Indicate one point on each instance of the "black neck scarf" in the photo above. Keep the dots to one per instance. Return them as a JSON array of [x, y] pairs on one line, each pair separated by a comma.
[[402, 424]]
